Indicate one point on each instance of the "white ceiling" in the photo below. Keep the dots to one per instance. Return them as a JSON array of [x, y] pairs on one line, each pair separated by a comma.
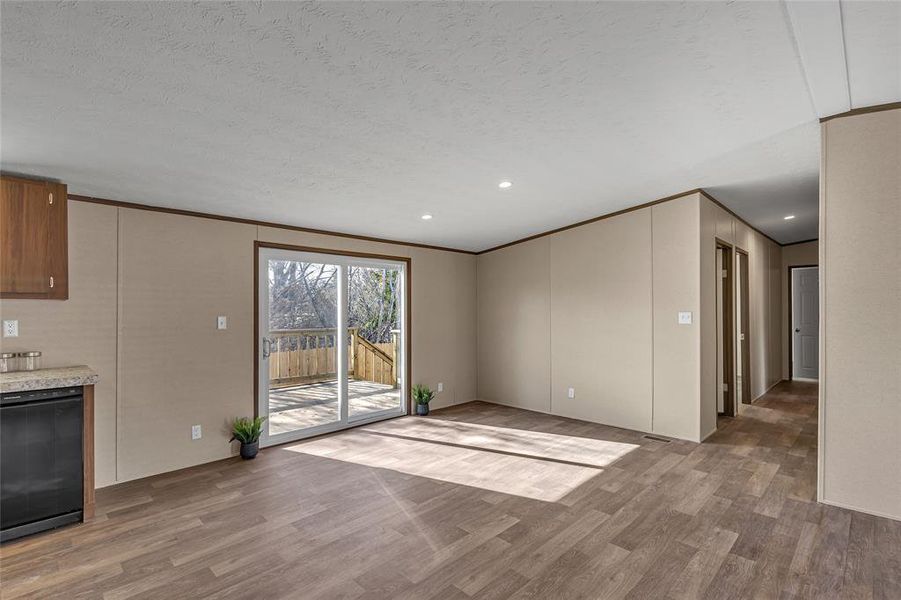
[[360, 117]]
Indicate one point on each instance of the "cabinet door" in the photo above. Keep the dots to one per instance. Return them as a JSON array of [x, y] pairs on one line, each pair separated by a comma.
[[58, 242], [24, 238]]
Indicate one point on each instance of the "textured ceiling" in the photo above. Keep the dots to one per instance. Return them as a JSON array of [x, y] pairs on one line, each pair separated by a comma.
[[360, 117]]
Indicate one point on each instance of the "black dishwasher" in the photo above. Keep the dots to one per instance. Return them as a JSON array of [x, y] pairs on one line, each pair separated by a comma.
[[41, 476]]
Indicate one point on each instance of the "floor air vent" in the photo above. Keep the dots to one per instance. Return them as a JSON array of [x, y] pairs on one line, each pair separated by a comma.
[[657, 439]]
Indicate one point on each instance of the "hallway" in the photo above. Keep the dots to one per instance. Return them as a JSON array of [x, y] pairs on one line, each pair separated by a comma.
[[796, 546]]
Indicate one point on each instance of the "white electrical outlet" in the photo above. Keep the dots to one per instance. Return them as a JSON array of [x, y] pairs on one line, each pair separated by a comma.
[[440, 387], [571, 393], [222, 322], [685, 318], [10, 328], [196, 432]]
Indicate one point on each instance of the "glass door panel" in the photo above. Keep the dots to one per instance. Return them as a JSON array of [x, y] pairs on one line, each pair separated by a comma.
[[375, 356], [332, 342], [300, 346]]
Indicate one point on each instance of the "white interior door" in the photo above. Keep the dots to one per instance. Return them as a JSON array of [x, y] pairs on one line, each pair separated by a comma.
[[331, 342], [805, 323]]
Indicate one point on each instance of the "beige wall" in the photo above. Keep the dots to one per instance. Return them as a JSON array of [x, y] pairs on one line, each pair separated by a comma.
[[713, 224], [176, 274], [145, 290], [764, 290], [860, 316], [594, 308], [795, 255], [600, 315], [676, 288], [765, 297], [514, 325]]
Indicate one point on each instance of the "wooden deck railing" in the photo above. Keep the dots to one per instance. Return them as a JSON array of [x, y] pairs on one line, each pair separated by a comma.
[[310, 355]]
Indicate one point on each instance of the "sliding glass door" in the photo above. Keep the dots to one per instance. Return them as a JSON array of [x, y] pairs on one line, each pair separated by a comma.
[[331, 342]]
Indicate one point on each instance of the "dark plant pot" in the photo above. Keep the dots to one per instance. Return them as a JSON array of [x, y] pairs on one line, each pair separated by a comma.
[[422, 409], [250, 450]]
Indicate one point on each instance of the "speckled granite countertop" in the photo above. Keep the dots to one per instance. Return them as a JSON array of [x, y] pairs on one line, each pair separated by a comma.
[[45, 379]]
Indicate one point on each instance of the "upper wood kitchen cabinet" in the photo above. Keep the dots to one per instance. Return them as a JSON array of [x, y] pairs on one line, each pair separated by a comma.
[[33, 239]]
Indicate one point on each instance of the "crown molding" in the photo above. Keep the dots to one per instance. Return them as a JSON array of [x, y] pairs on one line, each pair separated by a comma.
[[863, 111]]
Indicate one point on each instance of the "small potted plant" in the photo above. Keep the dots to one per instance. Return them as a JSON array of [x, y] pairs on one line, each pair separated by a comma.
[[247, 431], [422, 395]]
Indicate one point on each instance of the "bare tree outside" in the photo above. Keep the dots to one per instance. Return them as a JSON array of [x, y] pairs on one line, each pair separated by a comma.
[[303, 295], [374, 303]]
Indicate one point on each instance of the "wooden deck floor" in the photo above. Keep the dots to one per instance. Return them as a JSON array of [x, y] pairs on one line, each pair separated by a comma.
[[482, 501], [303, 406]]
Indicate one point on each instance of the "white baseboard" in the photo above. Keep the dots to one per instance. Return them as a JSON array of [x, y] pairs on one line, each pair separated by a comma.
[[509, 405], [451, 404], [703, 438], [552, 414], [767, 391], [875, 513]]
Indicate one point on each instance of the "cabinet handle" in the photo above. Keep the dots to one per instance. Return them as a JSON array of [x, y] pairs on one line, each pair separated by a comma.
[[51, 281], [51, 203]]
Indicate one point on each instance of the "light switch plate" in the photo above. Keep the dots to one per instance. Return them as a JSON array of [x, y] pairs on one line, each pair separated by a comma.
[[196, 432], [571, 393], [685, 318], [11, 328], [222, 322], [440, 387]]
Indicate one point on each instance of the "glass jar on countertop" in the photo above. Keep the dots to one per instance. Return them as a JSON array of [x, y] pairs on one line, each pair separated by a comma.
[[9, 362], [30, 361]]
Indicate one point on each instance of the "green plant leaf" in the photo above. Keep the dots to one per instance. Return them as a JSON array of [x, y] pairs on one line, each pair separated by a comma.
[[247, 430], [422, 394]]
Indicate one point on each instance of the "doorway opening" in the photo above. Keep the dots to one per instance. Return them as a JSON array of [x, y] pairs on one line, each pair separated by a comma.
[[804, 332], [332, 338], [725, 328], [742, 329]]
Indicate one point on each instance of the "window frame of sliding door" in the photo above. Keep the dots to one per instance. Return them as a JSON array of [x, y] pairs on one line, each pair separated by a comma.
[[406, 351]]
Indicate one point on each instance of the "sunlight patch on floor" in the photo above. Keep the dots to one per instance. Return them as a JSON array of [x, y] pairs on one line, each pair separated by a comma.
[[538, 444], [479, 457]]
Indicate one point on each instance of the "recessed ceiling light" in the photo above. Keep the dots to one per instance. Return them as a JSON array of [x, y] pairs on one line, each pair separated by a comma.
[[505, 184], [789, 217], [426, 217]]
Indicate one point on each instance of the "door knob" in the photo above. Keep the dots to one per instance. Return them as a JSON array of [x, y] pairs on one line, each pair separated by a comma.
[[797, 331]]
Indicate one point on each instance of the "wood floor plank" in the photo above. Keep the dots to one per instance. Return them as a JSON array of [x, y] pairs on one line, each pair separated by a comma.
[[859, 572], [729, 581], [562, 541], [703, 565], [886, 557]]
